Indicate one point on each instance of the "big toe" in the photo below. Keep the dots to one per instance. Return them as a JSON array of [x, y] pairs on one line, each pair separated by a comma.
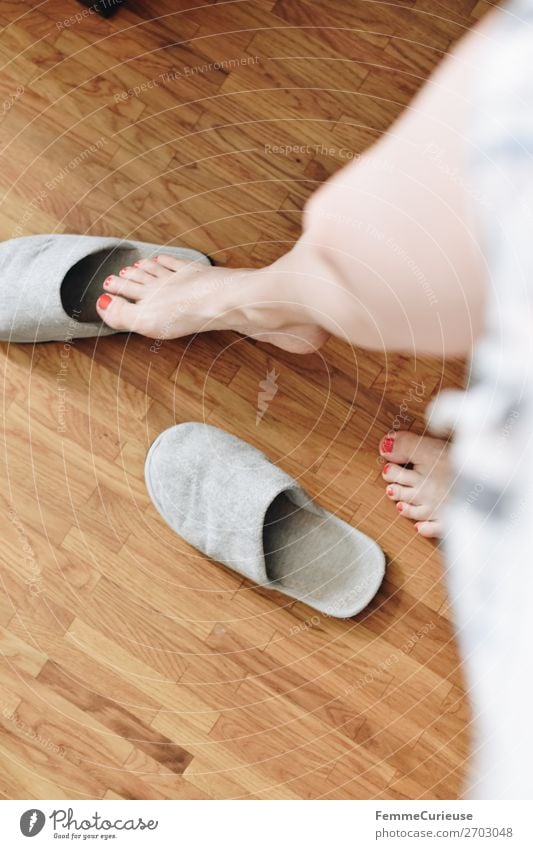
[[116, 312], [403, 447]]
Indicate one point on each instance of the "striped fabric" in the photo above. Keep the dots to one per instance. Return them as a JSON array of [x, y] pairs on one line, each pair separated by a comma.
[[489, 542]]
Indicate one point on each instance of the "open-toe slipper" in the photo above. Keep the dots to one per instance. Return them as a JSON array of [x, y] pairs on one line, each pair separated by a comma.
[[48, 281], [227, 499]]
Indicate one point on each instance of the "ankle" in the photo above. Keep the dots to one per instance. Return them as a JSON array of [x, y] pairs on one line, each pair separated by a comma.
[[265, 299]]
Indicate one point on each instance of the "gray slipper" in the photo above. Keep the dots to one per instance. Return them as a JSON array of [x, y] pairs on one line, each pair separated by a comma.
[[49, 284], [228, 500]]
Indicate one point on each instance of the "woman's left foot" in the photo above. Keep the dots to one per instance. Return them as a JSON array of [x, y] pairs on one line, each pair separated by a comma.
[[165, 298], [421, 490]]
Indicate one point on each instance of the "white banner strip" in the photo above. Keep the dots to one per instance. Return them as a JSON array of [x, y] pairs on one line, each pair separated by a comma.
[[268, 824]]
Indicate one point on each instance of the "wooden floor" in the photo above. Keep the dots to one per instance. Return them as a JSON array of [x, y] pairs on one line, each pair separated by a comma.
[[132, 667]]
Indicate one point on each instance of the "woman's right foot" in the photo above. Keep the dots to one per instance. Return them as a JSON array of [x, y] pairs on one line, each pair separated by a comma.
[[165, 298], [420, 491]]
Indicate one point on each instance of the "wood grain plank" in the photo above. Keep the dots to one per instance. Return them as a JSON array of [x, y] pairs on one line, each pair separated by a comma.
[[130, 665]]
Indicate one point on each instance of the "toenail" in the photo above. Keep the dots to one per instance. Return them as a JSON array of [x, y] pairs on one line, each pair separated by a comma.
[[388, 444], [399, 507], [390, 490], [136, 264], [156, 258], [104, 301], [386, 468], [122, 272]]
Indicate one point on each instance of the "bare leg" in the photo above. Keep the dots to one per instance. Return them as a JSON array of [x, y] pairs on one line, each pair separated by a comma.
[[388, 257]]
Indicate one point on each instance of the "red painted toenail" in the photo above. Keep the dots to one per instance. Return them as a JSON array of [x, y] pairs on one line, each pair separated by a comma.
[[104, 301], [386, 468], [156, 258], [387, 445], [399, 507], [390, 490]]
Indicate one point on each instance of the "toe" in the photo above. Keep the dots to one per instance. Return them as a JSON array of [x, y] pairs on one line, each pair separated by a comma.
[[136, 275], [402, 493], [125, 287], [417, 512], [149, 266], [397, 474], [116, 312], [173, 264], [405, 447], [399, 446], [432, 529], [170, 262]]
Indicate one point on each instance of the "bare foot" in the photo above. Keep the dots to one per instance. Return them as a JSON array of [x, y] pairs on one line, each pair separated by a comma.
[[165, 298], [419, 491]]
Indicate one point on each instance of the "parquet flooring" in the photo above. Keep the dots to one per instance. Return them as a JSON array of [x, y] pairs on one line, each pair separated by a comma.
[[130, 666]]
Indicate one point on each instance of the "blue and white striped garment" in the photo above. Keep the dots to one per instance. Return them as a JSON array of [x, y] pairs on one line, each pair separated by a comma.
[[489, 540]]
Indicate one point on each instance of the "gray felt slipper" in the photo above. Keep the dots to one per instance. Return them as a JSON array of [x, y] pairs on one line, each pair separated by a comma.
[[228, 500], [50, 284]]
